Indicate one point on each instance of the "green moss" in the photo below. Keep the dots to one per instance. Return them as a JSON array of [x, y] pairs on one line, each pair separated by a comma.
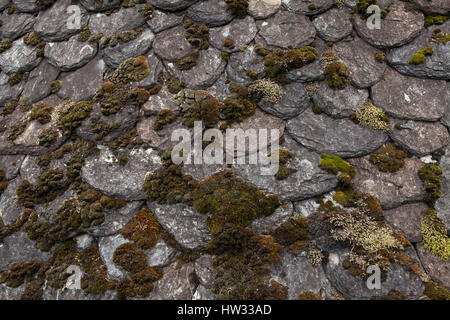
[[147, 10], [18, 272], [31, 39], [44, 4], [72, 114], [131, 70], [228, 43], [174, 86], [84, 35], [380, 56], [419, 56], [281, 60], [5, 45], [336, 75], [17, 129], [293, 230], [435, 291], [259, 49], [102, 128], [434, 234], [236, 108], [130, 257], [198, 105], [312, 6], [430, 174], [16, 78], [371, 116], [95, 276], [238, 7], [9, 107], [363, 5], [42, 113], [251, 74], [139, 284], [143, 229], [388, 158], [198, 36], [55, 86], [188, 62], [439, 37], [335, 164], [164, 117], [48, 137], [283, 158], [225, 56], [432, 19]]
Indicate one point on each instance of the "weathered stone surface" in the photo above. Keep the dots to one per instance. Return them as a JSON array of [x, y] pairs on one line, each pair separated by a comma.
[[294, 271], [37, 86], [8, 93], [76, 294], [220, 89], [261, 9], [25, 5], [242, 61], [410, 98], [102, 5], [296, 29], [443, 203], [114, 56], [82, 83], [399, 27], [17, 247], [15, 25], [306, 207], [266, 224], [241, 31], [339, 103], [446, 118], [333, 25], [160, 101], [60, 23], [158, 139], [172, 5], [10, 209], [339, 137], [10, 164], [172, 45], [359, 57], [211, 12], [183, 222], [106, 247], [156, 67], [8, 293], [210, 66], [124, 182], [176, 284], [294, 101], [19, 58], [391, 189], [433, 6], [436, 66], [308, 181], [4, 4], [69, 55], [353, 288], [438, 269], [161, 254], [407, 218], [419, 137], [205, 271], [203, 293], [123, 20], [161, 20], [303, 6]]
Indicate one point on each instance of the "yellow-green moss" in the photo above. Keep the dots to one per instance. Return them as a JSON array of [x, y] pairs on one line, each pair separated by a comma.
[[198, 36], [435, 291], [281, 60], [371, 116], [336, 75], [174, 86], [388, 158], [55, 86], [420, 56], [434, 19], [147, 10], [334, 164], [48, 137], [434, 234], [72, 114], [5, 45], [42, 113], [380, 56], [18, 272], [430, 174], [236, 108], [439, 37]]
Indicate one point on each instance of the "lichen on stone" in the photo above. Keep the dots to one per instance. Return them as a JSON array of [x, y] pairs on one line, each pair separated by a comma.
[[371, 116]]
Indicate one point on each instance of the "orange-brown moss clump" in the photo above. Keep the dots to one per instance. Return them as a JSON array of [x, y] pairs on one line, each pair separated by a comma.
[[133, 69], [42, 113], [238, 7], [164, 117], [293, 230], [430, 174], [18, 272], [3, 181], [143, 229], [198, 105], [196, 34], [281, 60], [388, 158], [309, 295]]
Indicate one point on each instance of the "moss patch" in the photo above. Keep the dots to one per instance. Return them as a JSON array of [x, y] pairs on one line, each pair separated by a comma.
[[280, 60], [198, 105], [72, 114], [430, 174], [434, 234], [371, 116], [237, 7], [143, 229], [420, 56], [388, 158]]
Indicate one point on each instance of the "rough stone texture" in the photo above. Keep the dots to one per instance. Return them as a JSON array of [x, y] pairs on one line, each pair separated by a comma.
[[123, 20], [210, 66], [436, 66], [333, 25], [407, 218], [205, 271], [433, 6], [294, 101], [10, 209], [161, 254], [184, 223], [11, 165], [160, 101], [211, 12], [438, 269], [391, 189], [308, 181], [161, 20], [419, 137], [339, 137], [69, 55], [398, 28], [17, 247], [8, 93], [353, 288], [114, 56], [120, 181], [37, 86], [102, 5], [306, 207], [302, 6], [172, 5], [82, 83], [443, 203], [241, 31], [261, 9], [411, 98], [25, 5], [172, 45], [359, 57], [60, 23], [106, 247], [339, 103], [266, 224], [15, 26], [19, 58], [240, 62], [176, 284], [203, 293], [296, 29]]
